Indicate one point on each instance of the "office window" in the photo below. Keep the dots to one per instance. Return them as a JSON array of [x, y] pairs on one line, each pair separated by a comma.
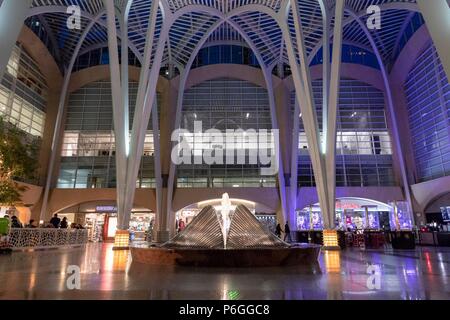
[[225, 104], [23, 94], [88, 147], [363, 145]]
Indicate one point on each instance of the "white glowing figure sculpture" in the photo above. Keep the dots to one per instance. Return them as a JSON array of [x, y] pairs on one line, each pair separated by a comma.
[[226, 220]]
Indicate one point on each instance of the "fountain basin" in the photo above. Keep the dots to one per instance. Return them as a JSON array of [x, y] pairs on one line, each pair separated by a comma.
[[301, 254]]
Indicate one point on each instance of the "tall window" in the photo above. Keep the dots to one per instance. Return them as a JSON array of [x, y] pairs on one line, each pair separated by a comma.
[[23, 93], [88, 150], [428, 97], [363, 146], [225, 104]]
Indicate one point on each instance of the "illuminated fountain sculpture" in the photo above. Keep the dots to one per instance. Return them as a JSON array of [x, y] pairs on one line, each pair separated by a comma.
[[225, 212], [226, 237]]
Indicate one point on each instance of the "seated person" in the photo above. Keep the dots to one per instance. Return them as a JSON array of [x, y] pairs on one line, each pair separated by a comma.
[[15, 222], [31, 224]]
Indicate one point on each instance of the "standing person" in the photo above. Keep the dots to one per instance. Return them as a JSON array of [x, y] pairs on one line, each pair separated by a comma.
[[278, 231], [287, 232], [4, 234], [55, 221], [5, 224], [64, 223], [181, 225]]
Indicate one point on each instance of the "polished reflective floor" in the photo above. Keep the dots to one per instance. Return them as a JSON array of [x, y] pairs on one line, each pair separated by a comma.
[[106, 274]]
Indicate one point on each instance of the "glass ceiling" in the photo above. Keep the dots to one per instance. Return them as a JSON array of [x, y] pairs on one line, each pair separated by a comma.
[[196, 23]]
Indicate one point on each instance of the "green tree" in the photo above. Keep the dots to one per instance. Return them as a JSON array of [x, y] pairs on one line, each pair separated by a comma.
[[18, 162]]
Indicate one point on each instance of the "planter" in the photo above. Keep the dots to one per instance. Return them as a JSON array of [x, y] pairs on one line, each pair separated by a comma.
[[302, 236], [428, 238], [341, 239], [443, 239], [403, 240], [374, 240], [316, 237]]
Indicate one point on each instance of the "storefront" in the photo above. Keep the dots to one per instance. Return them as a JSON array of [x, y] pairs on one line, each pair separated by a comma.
[[357, 213], [101, 222]]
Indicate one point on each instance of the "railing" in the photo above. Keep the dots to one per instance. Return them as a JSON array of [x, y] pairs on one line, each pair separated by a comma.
[[44, 238]]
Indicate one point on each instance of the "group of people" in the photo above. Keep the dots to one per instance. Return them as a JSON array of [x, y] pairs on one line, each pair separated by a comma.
[[15, 222], [55, 222], [287, 232], [58, 223]]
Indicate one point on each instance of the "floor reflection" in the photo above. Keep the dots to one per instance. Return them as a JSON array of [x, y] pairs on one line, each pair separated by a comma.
[[108, 274], [332, 261]]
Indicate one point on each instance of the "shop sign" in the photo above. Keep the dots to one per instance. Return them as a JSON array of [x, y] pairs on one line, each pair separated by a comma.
[[347, 205], [106, 209]]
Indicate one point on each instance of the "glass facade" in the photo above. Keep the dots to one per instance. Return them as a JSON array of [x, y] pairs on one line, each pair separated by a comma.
[[351, 54], [428, 102], [100, 56], [364, 152], [225, 54], [23, 94], [225, 104], [88, 148]]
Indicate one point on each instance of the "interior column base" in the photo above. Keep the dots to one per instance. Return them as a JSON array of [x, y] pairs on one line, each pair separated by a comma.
[[162, 236]]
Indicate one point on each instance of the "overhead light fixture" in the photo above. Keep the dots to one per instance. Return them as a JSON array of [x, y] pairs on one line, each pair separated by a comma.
[[247, 115]]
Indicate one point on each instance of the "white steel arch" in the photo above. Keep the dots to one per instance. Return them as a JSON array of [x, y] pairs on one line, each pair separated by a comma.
[[59, 117], [311, 12], [268, 78], [391, 107]]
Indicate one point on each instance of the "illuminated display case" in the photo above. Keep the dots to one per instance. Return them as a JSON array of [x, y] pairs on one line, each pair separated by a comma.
[[309, 219], [400, 215], [445, 211]]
